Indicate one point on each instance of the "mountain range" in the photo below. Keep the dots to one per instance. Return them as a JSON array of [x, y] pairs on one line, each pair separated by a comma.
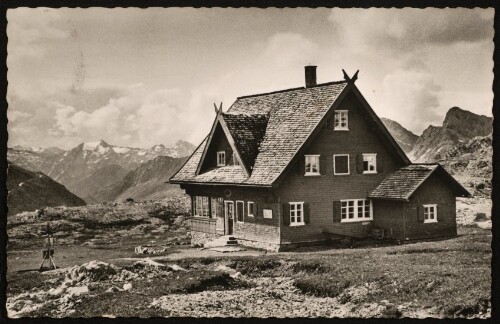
[[94, 171]]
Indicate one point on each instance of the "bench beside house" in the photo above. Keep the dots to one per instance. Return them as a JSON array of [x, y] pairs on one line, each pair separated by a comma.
[[304, 165]]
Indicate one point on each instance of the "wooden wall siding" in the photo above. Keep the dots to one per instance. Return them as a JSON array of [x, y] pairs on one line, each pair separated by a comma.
[[321, 191], [434, 191], [204, 225], [389, 215], [219, 143], [256, 228]]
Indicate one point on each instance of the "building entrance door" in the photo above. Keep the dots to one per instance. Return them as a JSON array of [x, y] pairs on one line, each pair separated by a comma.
[[229, 215]]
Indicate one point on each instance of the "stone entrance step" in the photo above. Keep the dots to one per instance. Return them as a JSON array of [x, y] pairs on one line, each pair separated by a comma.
[[225, 240]]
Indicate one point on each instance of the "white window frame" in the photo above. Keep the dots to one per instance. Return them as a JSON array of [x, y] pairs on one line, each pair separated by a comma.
[[296, 204], [310, 172], [198, 206], [219, 155], [339, 113], [248, 208], [242, 211], [374, 155], [348, 164], [359, 207], [427, 211], [267, 213]]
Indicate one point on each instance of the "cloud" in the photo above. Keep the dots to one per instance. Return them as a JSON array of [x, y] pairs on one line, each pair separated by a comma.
[[411, 97], [409, 29], [290, 49], [28, 28], [14, 116]]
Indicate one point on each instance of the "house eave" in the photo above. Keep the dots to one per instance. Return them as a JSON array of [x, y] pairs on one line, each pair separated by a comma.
[[219, 184]]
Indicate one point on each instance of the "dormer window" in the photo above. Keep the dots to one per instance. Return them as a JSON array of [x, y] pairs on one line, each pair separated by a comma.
[[221, 158], [341, 121], [312, 165]]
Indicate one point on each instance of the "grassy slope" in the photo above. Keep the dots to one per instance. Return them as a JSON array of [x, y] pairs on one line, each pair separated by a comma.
[[451, 276]]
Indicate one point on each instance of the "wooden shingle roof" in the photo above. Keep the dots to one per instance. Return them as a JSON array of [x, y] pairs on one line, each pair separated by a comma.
[[270, 129], [247, 132], [290, 117], [402, 183]]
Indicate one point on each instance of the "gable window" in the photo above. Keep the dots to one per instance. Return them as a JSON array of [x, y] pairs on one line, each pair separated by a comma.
[[353, 210], [340, 121], [312, 165], [239, 211], [369, 163], [250, 208], [221, 158], [201, 206], [296, 213], [430, 213], [340, 164]]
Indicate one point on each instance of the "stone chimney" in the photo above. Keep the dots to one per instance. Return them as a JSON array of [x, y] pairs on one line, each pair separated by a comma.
[[310, 75]]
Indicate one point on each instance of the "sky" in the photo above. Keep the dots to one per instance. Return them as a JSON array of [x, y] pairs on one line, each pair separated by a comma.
[[140, 77]]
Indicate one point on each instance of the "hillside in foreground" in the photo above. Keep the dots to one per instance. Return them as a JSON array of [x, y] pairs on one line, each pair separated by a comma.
[[28, 191]]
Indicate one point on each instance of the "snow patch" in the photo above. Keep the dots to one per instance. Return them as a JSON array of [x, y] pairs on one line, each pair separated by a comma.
[[121, 150], [90, 146]]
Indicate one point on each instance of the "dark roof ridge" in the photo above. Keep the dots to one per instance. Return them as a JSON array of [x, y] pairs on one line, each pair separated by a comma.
[[291, 89]]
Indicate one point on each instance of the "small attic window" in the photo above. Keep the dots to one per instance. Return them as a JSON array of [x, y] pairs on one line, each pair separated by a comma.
[[341, 120], [221, 158]]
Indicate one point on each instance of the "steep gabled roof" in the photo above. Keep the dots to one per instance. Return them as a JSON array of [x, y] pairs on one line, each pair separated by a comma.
[[402, 183], [219, 121], [247, 132], [290, 118]]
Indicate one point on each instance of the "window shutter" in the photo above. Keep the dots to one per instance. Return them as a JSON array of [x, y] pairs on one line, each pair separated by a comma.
[[286, 214], [301, 166], [439, 216], [359, 163], [420, 213], [192, 205], [337, 211], [256, 209], [380, 166], [306, 213], [323, 161]]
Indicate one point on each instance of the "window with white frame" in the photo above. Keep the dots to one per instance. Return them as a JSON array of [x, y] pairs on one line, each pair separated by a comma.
[[340, 164], [312, 165], [201, 206], [370, 163], [430, 213], [354, 210], [296, 213], [221, 158], [250, 208], [341, 121]]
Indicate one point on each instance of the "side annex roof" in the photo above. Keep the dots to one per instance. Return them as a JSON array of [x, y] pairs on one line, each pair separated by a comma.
[[402, 184]]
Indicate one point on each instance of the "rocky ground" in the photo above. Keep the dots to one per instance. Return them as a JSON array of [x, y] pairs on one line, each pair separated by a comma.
[[100, 274]]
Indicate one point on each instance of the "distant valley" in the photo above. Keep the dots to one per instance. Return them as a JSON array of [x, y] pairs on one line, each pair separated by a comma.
[[99, 171]]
